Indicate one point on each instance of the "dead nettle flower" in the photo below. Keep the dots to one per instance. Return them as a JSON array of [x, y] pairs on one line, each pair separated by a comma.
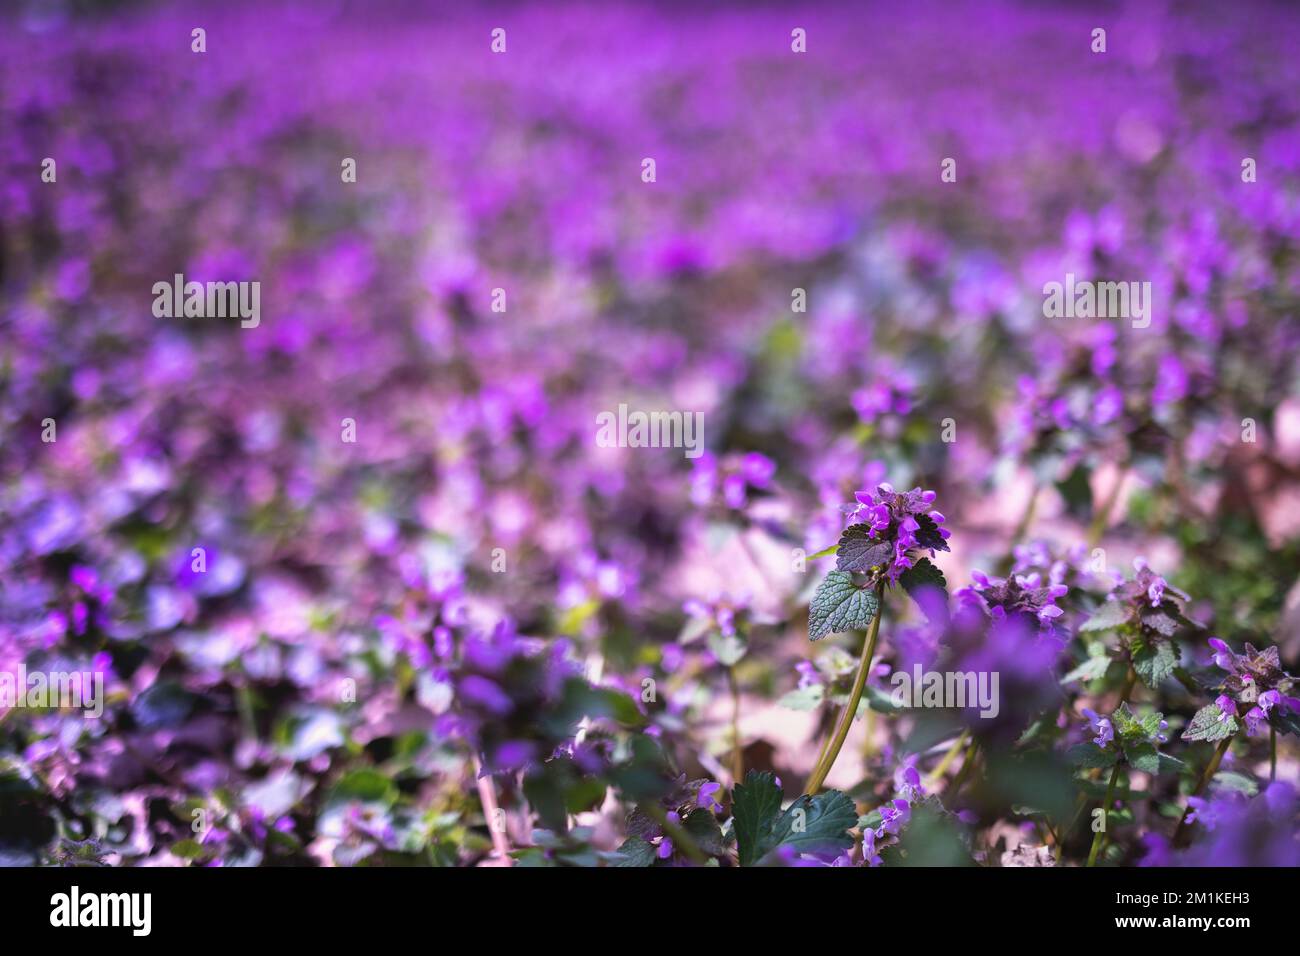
[[1147, 614], [1026, 598], [885, 545], [1124, 736], [1256, 691], [906, 522]]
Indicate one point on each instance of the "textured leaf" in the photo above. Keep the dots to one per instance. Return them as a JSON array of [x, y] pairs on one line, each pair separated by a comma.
[[1090, 670], [1208, 724], [1288, 723], [1238, 782], [1155, 661], [1090, 755], [810, 824], [928, 587], [817, 824], [840, 605], [928, 536], [1143, 756], [1110, 615], [703, 828], [757, 804], [804, 698], [636, 852], [1159, 621], [1127, 726], [859, 552]]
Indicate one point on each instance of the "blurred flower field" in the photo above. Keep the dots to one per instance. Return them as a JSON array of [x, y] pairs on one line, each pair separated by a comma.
[[362, 587]]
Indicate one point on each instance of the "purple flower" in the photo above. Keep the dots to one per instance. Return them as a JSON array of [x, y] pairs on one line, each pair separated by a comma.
[[894, 815], [706, 800], [1101, 726], [1223, 656]]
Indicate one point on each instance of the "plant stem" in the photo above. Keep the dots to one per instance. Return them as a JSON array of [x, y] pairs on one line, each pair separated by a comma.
[[737, 755], [1129, 682], [1272, 753], [487, 794], [964, 774], [1100, 836], [937, 773], [1210, 770], [851, 708]]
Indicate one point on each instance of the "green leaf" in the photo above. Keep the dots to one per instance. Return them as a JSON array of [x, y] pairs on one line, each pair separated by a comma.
[[365, 785], [1090, 755], [1143, 756], [857, 551], [817, 824], [636, 852], [1208, 725], [932, 838], [1155, 661], [757, 803], [727, 648], [703, 828], [824, 552], [1110, 615], [803, 698], [840, 605], [881, 701], [924, 578], [1076, 491], [1288, 723], [810, 824], [1237, 782], [1127, 726], [1092, 669]]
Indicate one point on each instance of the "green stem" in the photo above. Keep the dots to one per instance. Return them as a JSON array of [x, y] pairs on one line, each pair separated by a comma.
[[1100, 836], [937, 773], [1272, 753], [851, 708], [965, 773], [1129, 683], [1181, 833]]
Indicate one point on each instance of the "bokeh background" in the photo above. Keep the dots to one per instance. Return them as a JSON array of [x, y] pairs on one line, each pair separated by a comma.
[[331, 686]]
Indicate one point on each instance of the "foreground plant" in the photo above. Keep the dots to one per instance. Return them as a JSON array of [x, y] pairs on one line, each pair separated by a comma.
[[1122, 739], [885, 546]]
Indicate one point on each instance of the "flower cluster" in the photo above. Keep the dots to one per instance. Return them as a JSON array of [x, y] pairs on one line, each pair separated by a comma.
[[898, 527], [1256, 684]]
